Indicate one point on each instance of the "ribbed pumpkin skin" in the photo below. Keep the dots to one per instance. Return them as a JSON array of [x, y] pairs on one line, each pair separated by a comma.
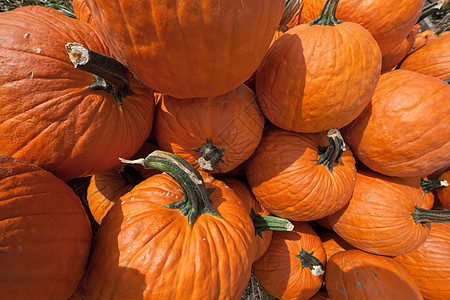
[[389, 21], [49, 117], [432, 59], [299, 92], [286, 180], [82, 11], [355, 274], [279, 270], [402, 132], [378, 217], [188, 49], [333, 243], [444, 193], [232, 121], [45, 234], [249, 201], [146, 251], [429, 265], [393, 57], [427, 199]]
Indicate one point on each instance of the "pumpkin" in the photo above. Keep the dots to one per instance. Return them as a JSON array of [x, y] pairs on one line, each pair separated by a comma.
[[423, 37], [293, 265], [444, 193], [383, 216], [186, 237], [107, 187], [320, 296], [213, 134], [66, 120], [244, 193], [432, 59], [82, 11], [333, 243], [392, 136], [355, 274], [298, 92], [45, 234], [389, 21], [429, 265], [301, 176], [396, 55], [189, 49]]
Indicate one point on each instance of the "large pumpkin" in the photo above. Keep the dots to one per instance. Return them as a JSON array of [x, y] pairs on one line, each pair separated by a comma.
[[301, 176], [45, 234], [355, 274], [318, 76], [389, 21], [404, 131], [66, 120], [183, 238], [383, 216], [213, 134], [429, 265], [293, 265], [187, 49]]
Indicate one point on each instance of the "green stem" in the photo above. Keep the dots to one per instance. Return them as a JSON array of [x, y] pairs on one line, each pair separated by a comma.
[[430, 9], [265, 223], [309, 261], [109, 74], [210, 156], [429, 185], [422, 216], [196, 200], [327, 15], [334, 151]]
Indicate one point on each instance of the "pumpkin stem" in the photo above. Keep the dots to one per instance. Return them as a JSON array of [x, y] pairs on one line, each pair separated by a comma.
[[430, 9], [109, 74], [291, 8], [429, 185], [131, 175], [327, 15], [265, 223], [422, 216], [308, 260], [196, 196], [447, 80], [210, 156], [333, 153]]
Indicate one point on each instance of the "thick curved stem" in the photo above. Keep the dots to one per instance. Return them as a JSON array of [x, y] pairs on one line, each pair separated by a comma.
[[423, 216], [308, 260], [327, 15], [195, 201], [210, 155], [109, 74], [265, 223], [429, 185], [334, 151]]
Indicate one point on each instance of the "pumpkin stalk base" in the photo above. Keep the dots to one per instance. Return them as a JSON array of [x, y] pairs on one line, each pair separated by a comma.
[[109, 74], [421, 215], [333, 153], [308, 260], [327, 16], [210, 156], [429, 185]]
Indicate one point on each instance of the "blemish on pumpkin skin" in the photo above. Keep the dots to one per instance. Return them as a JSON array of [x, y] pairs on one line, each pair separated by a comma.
[[358, 285], [37, 50], [27, 35], [30, 75]]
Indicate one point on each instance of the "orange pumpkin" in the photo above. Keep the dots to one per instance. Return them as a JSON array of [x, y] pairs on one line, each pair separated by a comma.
[[423, 37], [432, 59], [82, 11], [389, 21], [355, 274], [213, 134], [392, 135], [429, 265], [393, 57], [189, 49], [301, 176], [45, 234], [297, 91], [186, 237], [293, 265], [333, 243], [383, 216], [444, 193], [66, 120]]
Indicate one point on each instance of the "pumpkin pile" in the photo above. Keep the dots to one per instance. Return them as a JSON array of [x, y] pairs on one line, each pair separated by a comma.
[[305, 142]]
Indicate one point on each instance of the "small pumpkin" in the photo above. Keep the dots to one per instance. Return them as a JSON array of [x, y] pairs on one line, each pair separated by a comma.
[[213, 134], [429, 265], [45, 235], [301, 176], [298, 92], [293, 265], [355, 274], [396, 55], [392, 136], [423, 37]]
